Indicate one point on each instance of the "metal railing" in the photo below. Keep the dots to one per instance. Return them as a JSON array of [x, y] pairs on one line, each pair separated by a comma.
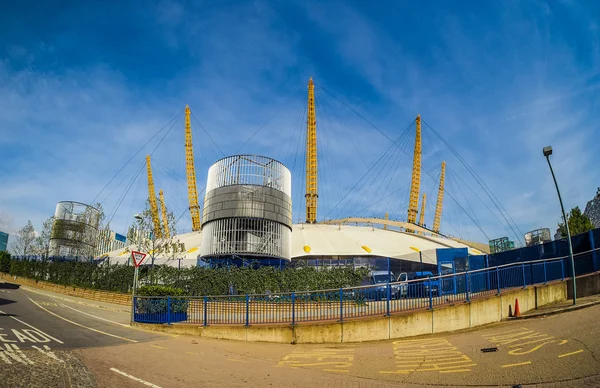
[[355, 302]]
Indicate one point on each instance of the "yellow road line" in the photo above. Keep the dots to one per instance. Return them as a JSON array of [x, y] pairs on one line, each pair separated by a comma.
[[236, 360], [395, 372], [192, 353], [335, 370], [454, 371], [79, 324], [520, 363], [158, 347], [570, 354]]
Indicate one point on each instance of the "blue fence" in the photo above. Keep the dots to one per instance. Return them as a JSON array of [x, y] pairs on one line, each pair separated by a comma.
[[372, 300]]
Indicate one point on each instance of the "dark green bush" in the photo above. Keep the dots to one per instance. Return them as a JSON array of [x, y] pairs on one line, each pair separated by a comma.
[[159, 291], [4, 262]]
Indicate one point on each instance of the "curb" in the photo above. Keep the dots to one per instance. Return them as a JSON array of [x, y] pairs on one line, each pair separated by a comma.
[[75, 301], [554, 312]]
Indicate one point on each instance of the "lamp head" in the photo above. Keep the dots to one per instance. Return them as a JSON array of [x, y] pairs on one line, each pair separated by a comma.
[[547, 151], [138, 217]]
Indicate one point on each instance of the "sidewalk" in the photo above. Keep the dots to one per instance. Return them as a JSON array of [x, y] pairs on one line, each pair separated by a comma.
[[560, 307], [81, 301]]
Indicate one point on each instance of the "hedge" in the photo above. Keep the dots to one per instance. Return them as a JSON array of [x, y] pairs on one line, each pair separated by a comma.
[[198, 281]]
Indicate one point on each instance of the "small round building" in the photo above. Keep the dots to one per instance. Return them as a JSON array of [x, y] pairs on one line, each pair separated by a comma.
[[75, 230], [247, 210]]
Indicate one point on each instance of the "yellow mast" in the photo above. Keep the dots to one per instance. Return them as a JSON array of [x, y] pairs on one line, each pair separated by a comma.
[[311, 157], [437, 220], [422, 215], [413, 207], [191, 173], [163, 208], [152, 198], [386, 217]]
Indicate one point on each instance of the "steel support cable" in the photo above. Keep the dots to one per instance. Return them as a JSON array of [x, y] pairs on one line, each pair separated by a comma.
[[457, 176], [151, 153], [258, 129], [451, 178], [296, 135], [486, 189], [127, 188], [369, 170], [404, 137], [133, 156], [206, 132]]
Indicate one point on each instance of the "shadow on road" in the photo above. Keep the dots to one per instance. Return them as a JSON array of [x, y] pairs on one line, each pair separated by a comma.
[[6, 301], [9, 286]]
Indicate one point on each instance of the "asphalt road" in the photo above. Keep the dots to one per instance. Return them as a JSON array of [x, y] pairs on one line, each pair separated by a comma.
[[49, 340]]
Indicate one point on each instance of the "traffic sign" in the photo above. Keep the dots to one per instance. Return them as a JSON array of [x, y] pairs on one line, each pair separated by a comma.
[[138, 257]]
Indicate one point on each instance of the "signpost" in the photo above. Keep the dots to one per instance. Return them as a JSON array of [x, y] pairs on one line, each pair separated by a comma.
[[138, 258]]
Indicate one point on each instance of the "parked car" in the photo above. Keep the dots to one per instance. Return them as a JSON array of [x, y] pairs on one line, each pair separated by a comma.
[[419, 289], [380, 279]]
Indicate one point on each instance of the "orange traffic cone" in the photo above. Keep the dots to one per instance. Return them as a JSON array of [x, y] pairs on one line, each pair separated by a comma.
[[517, 309]]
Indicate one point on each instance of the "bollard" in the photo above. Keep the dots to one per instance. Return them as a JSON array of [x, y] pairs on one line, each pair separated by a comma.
[[205, 310], [168, 310], [498, 278]]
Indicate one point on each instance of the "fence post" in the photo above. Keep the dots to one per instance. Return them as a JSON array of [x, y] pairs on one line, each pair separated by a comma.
[[562, 267], [498, 278], [430, 293], [545, 275], [467, 285], [205, 310], [524, 278], [594, 262], [293, 308], [341, 304], [389, 296], [247, 310], [168, 310]]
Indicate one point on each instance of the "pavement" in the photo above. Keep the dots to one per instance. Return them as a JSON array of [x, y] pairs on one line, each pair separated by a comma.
[[49, 340], [562, 307]]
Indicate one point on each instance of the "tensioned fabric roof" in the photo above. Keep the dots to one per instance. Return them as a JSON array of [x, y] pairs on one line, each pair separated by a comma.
[[320, 240]]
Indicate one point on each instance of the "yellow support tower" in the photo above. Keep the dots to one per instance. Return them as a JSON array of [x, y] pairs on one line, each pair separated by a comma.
[[311, 157], [165, 221], [191, 173], [422, 215], [437, 220], [413, 207], [152, 198], [386, 218]]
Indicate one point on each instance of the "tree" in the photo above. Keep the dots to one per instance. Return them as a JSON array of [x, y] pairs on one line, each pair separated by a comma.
[[4, 261], [42, 242], [144, 238], [24, 241], [578, 223]]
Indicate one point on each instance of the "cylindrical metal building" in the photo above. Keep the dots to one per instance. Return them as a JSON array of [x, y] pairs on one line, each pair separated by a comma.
[[75, 230], [247, 209]]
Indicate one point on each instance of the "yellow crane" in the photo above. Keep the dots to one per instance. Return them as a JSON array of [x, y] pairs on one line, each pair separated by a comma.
[[191, 173], [422, 215], [152, 198], [311, 157], [165, 221], [413, 206], [437, 220]]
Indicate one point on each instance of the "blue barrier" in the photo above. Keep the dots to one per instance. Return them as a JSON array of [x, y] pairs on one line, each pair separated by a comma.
[[355, 302]]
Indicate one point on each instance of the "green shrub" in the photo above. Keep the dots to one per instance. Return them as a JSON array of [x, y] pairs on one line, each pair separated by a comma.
[[159, 291], [4, 262]]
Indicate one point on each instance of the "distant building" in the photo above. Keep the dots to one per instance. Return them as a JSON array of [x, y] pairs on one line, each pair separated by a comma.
[[3, 241], [538, 236], [592, 210], [501, 244], [109, 241]]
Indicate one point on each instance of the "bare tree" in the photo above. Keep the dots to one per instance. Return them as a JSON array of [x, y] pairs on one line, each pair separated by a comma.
[[42, 242], [24, 241]]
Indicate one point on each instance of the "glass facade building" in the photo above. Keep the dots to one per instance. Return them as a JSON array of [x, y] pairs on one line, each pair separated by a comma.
[[3, 241]]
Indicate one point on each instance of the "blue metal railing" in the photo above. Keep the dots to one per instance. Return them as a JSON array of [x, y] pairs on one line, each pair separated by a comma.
[[356, 302]]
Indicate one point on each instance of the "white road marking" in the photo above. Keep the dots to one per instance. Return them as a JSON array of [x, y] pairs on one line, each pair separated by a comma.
[[134, 378], [34, 328], [47, 352], [79, 324], [93, 316]]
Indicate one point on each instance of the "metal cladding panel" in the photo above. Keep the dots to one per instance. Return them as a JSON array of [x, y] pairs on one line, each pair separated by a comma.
[[249, 202]]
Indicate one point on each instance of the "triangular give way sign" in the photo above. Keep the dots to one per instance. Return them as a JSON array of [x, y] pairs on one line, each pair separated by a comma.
[[138, 257]]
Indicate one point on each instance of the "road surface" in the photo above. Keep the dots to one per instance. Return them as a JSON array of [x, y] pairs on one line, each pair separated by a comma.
[[50, 340]]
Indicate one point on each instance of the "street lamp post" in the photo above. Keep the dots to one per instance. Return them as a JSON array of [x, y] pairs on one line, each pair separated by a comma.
[[547, 153]]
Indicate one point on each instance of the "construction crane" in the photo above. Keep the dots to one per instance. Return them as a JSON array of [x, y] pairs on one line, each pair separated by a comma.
[[422, 215], [165, 221], [437, 220], [311, 157], [191, 173], [413, 207], [152, 198]]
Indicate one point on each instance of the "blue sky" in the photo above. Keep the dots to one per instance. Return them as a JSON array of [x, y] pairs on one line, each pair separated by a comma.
[[83, 85]]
